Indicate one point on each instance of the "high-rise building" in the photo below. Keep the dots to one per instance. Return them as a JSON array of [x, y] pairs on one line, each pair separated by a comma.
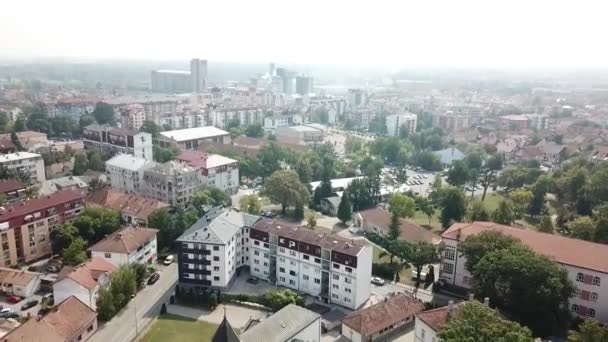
[[303, 85], [271, 69], [395, 122], [198, 73]]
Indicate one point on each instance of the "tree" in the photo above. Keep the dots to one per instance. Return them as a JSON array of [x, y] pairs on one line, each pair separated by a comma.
[[269, 158], [255, 130], [81, 164], [278, 299], [360, 196], [164, 154], [453, 206], [62, 237], [123, 285], [96, 162], [402, 205], [19, 125], [304, 169], [161, 220], [250, 204], [96, 223], [298, 213], [474, 321], [210, 196], [394, 228], [15, 140], [546, 224], [539, 190], [589, 331], [426, 207], [458, 174], [151, 127], [345, 212], [311, 221], [428, 161], [600, 215], [475, 247], [323, 190], [141, 272], [521, 199], [477, 212], [105, 304], [75, 253], [504, 213], [582, 227], [285, 188], [488, 173], [103, 113], [421, 253], [86, 120]]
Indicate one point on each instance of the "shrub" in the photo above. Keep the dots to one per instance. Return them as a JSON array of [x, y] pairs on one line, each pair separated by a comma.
[[386, 271]]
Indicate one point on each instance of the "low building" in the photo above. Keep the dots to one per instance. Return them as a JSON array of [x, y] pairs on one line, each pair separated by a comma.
[[12, 189], [291, 323], [172, 182], [192, 138], [134, 209], [25, 226], [19, 283], [28, 164], [52, 186], [126, 246], [302, 134], [583, 260], [513, 122], [449, 156], [377, 220], [70, 321], [83, 281], [110, 140], [214, 169], [395, 122], [392, 315], [329, 205], [31, 139], [127, 171]]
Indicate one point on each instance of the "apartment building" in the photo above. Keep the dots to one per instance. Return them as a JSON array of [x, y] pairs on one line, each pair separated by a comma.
[[110, 140], [214, 169], [300, 134], [513, 122], [192, 138], [244, 116], [172, 182], [127, 246], [451, 121], [132, 116], [126, 172], [25, 227], [394, 123], [12, 189], [585, 262], [170, 81], [134, 209], [29, 164]]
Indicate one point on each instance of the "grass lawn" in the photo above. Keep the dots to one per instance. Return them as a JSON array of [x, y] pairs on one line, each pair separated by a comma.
[[179, 329], [491, 201], [422, 220], [405, 276]]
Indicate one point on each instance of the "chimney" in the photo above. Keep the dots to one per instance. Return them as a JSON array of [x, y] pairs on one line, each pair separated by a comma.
[[486, 301], [450, 306]]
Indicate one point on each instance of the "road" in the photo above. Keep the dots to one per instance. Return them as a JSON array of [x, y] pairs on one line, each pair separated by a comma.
[[124, 327]]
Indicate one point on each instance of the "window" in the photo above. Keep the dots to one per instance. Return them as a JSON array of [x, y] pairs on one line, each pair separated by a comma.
[[335, 286], [580, 277], [333, 295], [336, 277], [293, 263], [448, 268], [282, 279], [346, 300], [266, 255], [450, 253], [347, 290], [216, 278], [574, 308], [256, 261], [317, 281], [265, 245], [107, 255], [292, 273], [257, 243], [90, 328], [216, 258], [282, 269], [256, 269], [282, 250], [577, 292], [593, 297], [591, 312], [317, 260], [305, 277], [265, 264], [292, 253], [256, 253], [216, 248], [305, 257], [336, 266], [216, 268], [348, 269], [282, 259], [292, 282], [422, 333], [348, 280], [596, 281]]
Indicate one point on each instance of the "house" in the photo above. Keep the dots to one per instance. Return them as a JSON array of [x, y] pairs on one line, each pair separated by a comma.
[[134, 209], [377, 220], [12, 189], [70, 321], [329, 205], [599, 154], [291, 323], [83, 281], [449, 155], [19, 283], [57, 184], [584, 261], [91, 175], [30, 165], [126, 246], [375, 322]]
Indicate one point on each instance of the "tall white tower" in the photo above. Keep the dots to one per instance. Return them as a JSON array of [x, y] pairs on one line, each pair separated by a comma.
[[198, 73]]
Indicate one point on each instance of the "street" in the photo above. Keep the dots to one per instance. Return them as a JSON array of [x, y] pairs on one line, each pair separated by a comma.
[[124, 327]]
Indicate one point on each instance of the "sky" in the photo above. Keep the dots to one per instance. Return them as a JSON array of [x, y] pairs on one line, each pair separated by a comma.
[[456, 33]]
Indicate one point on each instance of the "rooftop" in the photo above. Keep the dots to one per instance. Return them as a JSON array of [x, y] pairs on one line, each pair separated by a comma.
[[87, 273], [125, 241], [166, 71], [194, 133], [129, 162], [409, 231], [562, 249], [135, 205], [381, 315], [449, 155], [18, 156], [218, 226], [10, 185], [437, 318], [281, 326], [15, 210], [16, 277], [53, 185], [198, 159]]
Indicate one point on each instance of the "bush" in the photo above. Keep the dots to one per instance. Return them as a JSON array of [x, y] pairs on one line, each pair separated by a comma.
[[278, 299], [386, 271], [212, 301]]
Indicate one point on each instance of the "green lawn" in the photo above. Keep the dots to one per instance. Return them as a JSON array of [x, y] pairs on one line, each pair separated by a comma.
[[422, 220], [491, 201], [405, 276], [179, 329]]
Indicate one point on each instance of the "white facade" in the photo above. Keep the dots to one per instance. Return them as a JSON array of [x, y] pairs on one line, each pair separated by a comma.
[[424, 333], [126, 172], [67, 287], [22, 290], [351, 334], [145, 255], [395, 121], [27, 163]]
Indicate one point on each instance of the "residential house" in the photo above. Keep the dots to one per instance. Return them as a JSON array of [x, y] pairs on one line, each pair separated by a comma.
[[390, 316], [20, 283], [83, 281], [52, 186], [134, 209], [127, 246], [377, 220], [173, 182], [329, 205], [12, 189]]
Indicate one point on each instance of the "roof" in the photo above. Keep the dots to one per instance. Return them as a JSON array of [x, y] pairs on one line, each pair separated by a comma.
[[53, 185], [281, 326], [129, 162], [301, 129], [436, 318], [560, 248], [22, 208], [61, 324], [134, 205], [333, 200], [336, 183], [225, 333], [194, 133], [18, 156], [409, 231], [515, 117], [87, 273], [125, 241], [17, 277], [198, 159], [10, 185], [381, 315], [449, 155], [180, 72], [218, 226]]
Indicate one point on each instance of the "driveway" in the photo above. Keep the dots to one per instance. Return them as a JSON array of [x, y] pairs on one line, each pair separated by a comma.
[[240, 285], [237, 315]]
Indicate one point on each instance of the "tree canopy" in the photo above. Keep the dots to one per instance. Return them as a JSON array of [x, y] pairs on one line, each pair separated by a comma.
[[285, 188], [103, 113]]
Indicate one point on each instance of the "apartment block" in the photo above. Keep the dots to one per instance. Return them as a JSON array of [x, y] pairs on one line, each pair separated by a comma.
[[132, 116], [25, 227], [213, 169], [172, 182], [396, 121], [583, 260], [192, 138], [127, 171], [110, 140], [29, 164]]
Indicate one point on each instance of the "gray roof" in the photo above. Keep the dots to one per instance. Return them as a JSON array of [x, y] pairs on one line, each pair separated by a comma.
[[449, 155], [129, 162], [218, 226], [281, 326], [53, 185]]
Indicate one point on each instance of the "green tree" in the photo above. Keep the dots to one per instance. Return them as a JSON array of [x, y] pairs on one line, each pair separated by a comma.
[[426, 207], [453, 206], [477, 212], [304, 169], [298, 213], [15, 140], [123, 285], [81, 164], [504, 214], [86, 120], [278, 299], [62, 237], [285, 188], [75, 253], [402, 205], [269, 158], [474, 321], [582, 227], [164, 154], [250, 204], [428, 161], [103, 113], [255, 130], [600, 215], [96, 162], [546, 224], [96, 223], [150, 127], [105, 304], [475, 247], [488, 173], [539, 190], [345, 211], [19, 125], [141, 272], [162, 220], [589, 331], [521, 199], [394, 228], [458, 174], [421, 253], [360, 196], [323, 190]]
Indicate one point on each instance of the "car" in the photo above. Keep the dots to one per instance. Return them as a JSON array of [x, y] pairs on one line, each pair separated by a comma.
[[53, 268], [253, 280], [153, 278], [13, 299], [6, 312], [29, 304], [377, 281], [268, 214], [169, 259], [422, 275], [14, 315]]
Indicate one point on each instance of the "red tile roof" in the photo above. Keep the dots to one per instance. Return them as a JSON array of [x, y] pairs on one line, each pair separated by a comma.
[[11, 185], [436, 318], [379, 316], [562, 249], [409, 231], [88, 273], [125, 240], [23, 208], [16, 277], [138, 206]]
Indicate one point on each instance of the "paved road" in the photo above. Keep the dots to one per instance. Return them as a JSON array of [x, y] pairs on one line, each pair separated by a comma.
[[147, 303]]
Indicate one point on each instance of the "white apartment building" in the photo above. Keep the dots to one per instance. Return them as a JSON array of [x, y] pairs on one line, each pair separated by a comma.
[[127, 246], [127, 171], [132, 116], [244, 116], [213, 169], [110, 140], [29, 164], [395, 121], [585, 262], [172, 182], [192, 138]]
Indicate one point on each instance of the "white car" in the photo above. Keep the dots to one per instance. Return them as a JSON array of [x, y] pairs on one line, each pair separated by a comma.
[[422, 275], [169, 260], [377, 281]]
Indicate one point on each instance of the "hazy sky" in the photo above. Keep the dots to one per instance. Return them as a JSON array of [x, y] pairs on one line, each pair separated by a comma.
[[372, 32]]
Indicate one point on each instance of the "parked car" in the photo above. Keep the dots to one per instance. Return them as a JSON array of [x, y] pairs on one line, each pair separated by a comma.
[[422, 275], [169, 260], [268, 214], [53, 268], [253, 280], [29, 304], [6, 312], [377, 281], [14, 315], [13, 299], [153, 278]]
